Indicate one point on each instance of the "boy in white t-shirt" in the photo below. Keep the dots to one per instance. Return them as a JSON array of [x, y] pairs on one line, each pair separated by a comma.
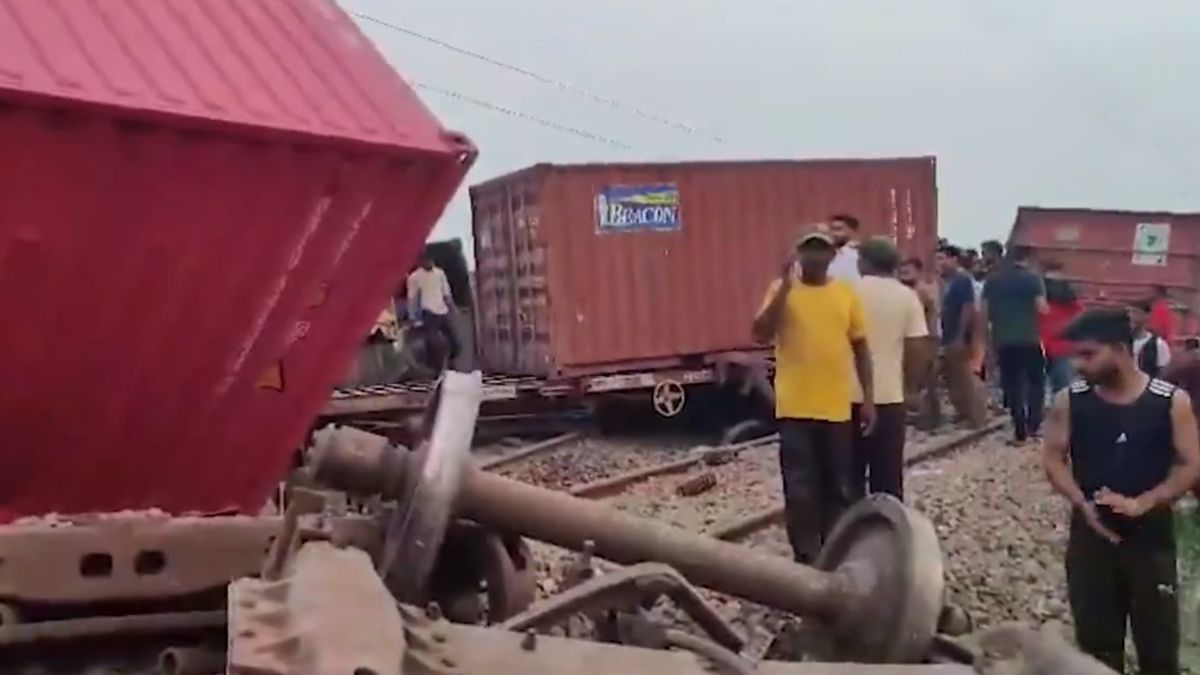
[[1151, 353]]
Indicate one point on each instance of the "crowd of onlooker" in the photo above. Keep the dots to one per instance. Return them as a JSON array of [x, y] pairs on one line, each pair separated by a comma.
[[998, 317], [861, 337]]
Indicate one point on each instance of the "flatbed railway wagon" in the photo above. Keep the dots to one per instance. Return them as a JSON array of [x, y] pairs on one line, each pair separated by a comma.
[[596, 283]]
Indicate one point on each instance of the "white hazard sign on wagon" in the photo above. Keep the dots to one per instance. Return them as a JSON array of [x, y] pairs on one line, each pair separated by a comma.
[[1151, 241]]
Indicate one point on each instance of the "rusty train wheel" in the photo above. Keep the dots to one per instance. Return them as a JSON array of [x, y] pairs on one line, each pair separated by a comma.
[[889, 557]]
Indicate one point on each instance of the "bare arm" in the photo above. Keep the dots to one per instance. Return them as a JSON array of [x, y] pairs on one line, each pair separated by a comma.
[[918, 353], [862, 366], [770, 319], [447, 294], [929, 306], [969, 316], [1039, 298], [1055, 447], [1186, 469], [983, 325], [1164, 353], [917, 348], [414, 295]]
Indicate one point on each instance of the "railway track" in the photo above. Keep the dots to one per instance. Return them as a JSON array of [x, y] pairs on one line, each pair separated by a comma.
[[742, 474]]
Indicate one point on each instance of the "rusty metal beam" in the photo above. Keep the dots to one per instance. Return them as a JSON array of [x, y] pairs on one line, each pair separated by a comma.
[[493, 463], [473, 649], [566, 521], [950, 445], [614, 484], [626, 587], [128, 557], [109, 626], [345, 457], [700, 455], [747, 524], [347, 407], [146, 557]]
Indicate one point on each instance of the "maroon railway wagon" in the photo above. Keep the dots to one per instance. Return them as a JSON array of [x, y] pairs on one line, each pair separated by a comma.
[[1116, 257]]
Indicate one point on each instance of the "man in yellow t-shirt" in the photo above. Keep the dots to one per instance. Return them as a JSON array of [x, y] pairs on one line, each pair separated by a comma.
[[818, 328]]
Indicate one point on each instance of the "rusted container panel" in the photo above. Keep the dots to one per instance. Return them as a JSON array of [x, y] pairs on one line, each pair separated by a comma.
[[1118, 256], [592, 269], [201, 201]]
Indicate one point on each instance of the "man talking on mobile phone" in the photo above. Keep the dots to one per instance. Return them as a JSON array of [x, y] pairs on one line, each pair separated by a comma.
[[818, 328], [1121, 446]]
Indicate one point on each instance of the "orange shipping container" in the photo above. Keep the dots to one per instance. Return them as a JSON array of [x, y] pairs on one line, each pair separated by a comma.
[[593, 269]]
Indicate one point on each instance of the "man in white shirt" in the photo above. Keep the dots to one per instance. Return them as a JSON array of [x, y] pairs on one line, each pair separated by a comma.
[[1151, 353], [843, 229], [430, 302], [897, 335]]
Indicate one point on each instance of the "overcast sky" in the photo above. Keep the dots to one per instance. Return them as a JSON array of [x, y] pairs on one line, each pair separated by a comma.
[[1088, 103]]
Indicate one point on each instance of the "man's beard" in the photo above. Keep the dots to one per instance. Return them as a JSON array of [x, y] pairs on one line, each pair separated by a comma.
[[1104, 377]]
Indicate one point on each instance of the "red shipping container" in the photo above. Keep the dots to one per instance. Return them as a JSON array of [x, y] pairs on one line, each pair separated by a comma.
[[1116, 257], [593, 269], [201, 208]]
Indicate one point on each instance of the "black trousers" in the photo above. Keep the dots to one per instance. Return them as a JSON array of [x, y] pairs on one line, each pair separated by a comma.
[[879, 458], [439, 326], [1108, 584], [1023, 380], [815, 458]]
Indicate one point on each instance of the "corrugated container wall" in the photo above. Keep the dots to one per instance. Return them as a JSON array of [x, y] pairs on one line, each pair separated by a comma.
[[593, 269], [1119, 256], [201, 206]]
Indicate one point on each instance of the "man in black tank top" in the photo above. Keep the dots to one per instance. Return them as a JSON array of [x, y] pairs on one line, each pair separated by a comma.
[[1122, 447]]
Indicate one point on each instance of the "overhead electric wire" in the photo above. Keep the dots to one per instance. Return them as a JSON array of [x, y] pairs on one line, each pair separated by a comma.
[[544, 79], [495, 107]]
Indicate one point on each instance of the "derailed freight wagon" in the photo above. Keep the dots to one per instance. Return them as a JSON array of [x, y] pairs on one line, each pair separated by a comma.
[[197, 203], [1117, 257], [644, 278]]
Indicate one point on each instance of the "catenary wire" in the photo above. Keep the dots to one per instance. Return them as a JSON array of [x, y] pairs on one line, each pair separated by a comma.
[[495, 107], [564, 86]]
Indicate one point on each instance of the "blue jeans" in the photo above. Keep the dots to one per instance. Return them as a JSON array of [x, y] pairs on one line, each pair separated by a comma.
[[1059, 374]]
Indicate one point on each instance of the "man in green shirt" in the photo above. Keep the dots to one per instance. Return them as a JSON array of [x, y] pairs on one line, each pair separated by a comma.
[[1013, 296]]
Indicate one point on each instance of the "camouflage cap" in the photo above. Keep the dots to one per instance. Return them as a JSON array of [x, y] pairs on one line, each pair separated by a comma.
[[814, 235]]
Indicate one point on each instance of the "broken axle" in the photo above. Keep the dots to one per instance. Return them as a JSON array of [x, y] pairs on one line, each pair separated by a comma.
[[877, 585]]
